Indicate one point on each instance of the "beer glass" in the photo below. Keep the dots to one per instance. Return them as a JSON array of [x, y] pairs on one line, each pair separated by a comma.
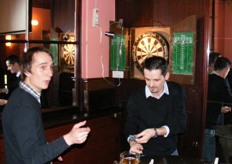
[[128, 158]]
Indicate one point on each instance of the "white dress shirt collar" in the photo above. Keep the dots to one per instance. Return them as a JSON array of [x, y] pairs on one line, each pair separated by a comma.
[[148, 92], [18, 74]]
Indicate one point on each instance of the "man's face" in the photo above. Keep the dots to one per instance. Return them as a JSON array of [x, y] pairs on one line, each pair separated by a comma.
[[155, 80], [13, 68], [41, 72]]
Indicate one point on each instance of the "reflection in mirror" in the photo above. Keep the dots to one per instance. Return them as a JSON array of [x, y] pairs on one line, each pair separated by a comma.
[[219, 123], [56, 23], [52, 26]]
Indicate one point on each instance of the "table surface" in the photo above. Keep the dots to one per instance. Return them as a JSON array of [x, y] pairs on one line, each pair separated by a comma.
[[171, 160]]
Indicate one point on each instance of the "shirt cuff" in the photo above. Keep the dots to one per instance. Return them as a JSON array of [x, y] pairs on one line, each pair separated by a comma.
[[167, 129]]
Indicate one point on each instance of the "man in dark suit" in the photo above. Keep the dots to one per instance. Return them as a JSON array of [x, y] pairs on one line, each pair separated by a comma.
[[2, 95], [228, 116], [13, 65], [218, 101], [212, 58], [23, 133]]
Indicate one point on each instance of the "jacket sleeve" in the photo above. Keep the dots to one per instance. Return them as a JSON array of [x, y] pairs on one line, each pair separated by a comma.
[[29, 133], [178, 121]]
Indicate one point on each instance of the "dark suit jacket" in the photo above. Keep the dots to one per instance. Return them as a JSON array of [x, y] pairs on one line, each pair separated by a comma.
[[219, 94], [14, 84], [228, 116], [24, 139]]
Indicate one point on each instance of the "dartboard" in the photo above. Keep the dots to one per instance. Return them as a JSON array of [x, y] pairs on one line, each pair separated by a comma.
[[69, 52], [149, 44]]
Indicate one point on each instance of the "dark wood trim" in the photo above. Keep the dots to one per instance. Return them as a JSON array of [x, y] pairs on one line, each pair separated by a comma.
[[99, 93]]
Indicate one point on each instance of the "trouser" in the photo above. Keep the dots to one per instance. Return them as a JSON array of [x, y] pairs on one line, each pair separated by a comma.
[[209, 148]]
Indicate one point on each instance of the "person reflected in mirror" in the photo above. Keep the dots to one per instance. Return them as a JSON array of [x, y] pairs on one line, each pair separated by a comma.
[[13, 65], [212, 58], [23, 132], [219, 99], [228, 116], [155, 113], [2, 95]]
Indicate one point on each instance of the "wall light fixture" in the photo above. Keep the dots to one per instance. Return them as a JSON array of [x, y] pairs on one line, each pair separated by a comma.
[[34, 22], [8, 37]]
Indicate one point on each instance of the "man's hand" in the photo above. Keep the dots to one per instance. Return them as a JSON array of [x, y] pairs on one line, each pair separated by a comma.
[[136, 148], [3, 102], [60, 159], [4, 90], [78, 134], [145, 136], [225, 109]]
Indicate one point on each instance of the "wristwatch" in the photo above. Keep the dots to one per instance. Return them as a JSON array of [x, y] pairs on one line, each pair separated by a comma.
[[131, 138], [156, 133]]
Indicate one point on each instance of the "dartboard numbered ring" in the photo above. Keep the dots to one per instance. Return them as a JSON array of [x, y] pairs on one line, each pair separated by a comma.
[[147, 45]]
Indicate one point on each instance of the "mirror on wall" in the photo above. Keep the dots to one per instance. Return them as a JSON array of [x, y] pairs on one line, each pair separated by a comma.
[[220, 39], [220, 27], [53, 24]]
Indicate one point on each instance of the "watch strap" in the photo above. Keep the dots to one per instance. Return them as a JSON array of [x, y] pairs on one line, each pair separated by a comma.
[[156, 133], [131, 138]]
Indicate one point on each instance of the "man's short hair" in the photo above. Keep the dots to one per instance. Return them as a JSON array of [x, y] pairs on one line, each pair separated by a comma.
[[12, 59], [222, 63], [156, 62]]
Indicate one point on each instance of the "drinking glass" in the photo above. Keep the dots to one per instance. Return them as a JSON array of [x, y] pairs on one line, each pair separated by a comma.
[[128, 158]]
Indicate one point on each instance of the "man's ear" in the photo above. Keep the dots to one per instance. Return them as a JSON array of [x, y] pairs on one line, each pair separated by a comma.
[[167, 75], [28, 74]]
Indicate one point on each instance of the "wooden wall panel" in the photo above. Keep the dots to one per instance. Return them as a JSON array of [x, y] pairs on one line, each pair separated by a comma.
[[102, 145]]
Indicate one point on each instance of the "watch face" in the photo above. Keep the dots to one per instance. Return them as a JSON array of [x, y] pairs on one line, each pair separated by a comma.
[[147, 45], [132, 138]]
